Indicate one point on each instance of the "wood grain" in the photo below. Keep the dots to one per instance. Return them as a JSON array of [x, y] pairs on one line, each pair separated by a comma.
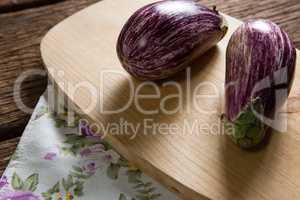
[[285, 13], [195, 159], [7, 148], [14, 5], [20, 36]]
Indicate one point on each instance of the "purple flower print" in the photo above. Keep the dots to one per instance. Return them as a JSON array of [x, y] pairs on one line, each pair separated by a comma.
[[20, 196], [111, 156], [3, 182], [90, 167], [50, 156], [92, 150], [85, 152], [108, 158]]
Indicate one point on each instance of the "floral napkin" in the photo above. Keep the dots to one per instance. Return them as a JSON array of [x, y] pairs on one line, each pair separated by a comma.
[[56, 161]]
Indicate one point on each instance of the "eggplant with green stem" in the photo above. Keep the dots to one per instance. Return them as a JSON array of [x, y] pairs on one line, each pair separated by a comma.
[[260, 66]]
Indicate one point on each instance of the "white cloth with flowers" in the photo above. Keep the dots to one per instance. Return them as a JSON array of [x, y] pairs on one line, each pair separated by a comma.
[[57, 162]]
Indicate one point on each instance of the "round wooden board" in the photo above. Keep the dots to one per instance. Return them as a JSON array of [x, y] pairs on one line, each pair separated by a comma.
[[194, 159]]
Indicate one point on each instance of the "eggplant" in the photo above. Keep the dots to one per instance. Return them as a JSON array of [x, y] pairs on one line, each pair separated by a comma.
[[260, 66], [161, 38]]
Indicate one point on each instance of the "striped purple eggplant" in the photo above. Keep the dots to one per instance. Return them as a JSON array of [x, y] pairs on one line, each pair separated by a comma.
[[260, 65], [161, 38]]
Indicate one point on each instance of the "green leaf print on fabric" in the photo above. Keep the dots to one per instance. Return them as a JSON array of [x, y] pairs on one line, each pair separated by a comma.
[[144, 190], [65, 118], [122, 197], [29, 185], [52, 191], [47, 196], [78, 190], [113, 171], [68, 183], [77, 169], [72, 185], [134, 176], [75, 143], [55, 188], [17, 182]]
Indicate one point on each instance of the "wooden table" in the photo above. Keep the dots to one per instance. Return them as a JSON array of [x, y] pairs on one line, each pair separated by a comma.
[[24, 22]]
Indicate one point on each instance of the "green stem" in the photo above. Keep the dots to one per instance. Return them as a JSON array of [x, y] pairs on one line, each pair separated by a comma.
[[247, 130]]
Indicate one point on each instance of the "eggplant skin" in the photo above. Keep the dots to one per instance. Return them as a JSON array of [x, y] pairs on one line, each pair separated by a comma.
[[161, 38], [259, 55]]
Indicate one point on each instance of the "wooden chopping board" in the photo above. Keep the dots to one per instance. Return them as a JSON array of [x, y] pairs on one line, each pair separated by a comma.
[[189, 154]]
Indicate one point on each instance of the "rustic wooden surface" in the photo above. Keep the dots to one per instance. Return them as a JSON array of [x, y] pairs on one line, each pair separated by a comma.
[[14, 5], [7, 148], [21, 30]]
